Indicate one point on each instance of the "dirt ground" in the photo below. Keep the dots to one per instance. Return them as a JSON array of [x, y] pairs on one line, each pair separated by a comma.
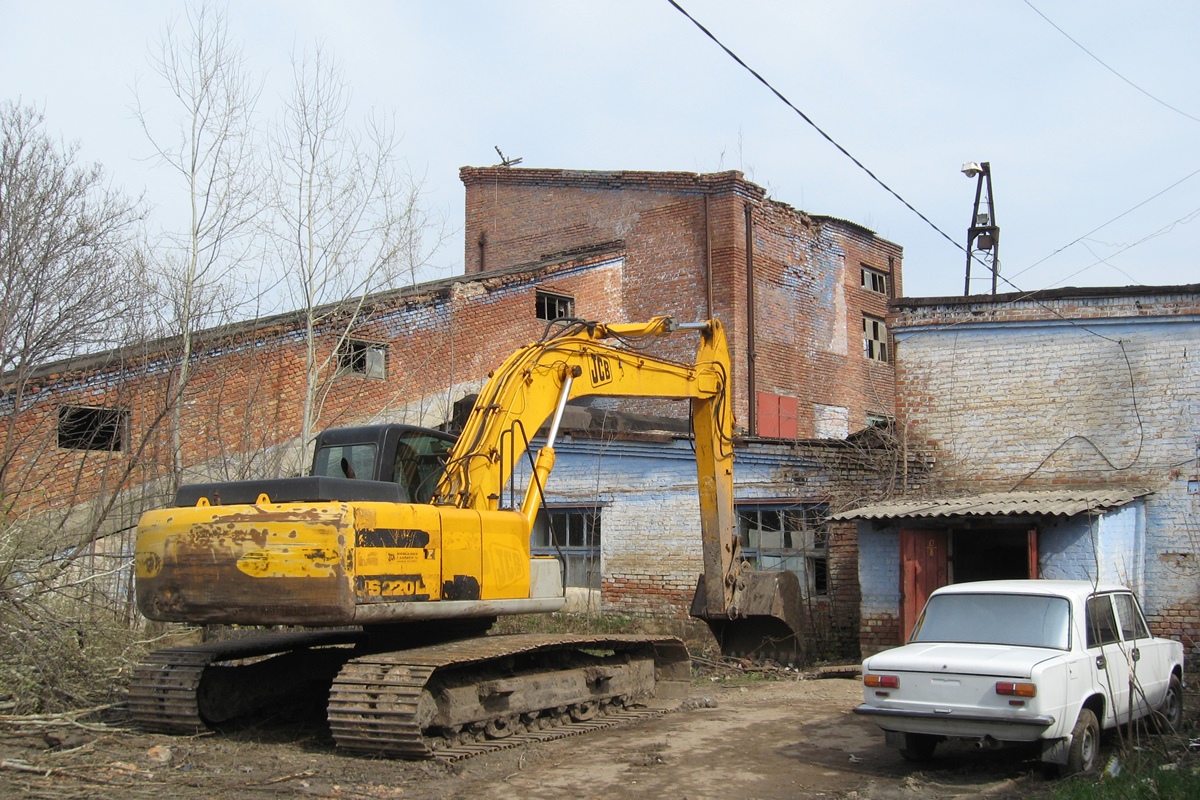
[[744, 739]]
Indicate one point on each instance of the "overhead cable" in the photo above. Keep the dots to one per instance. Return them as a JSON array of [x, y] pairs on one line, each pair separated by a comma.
[[814, 125], [1111, 221], [1096, 58]]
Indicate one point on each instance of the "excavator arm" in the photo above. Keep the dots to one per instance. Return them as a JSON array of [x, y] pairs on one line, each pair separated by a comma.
[[746, 608]]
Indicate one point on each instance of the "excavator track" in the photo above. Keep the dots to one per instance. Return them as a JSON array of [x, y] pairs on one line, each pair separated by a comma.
[[461, 698], [165, 694]]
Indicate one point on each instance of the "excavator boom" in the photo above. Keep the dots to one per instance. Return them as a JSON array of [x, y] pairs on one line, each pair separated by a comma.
[[750, 612]]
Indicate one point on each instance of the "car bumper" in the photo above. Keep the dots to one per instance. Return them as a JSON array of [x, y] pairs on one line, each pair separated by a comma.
[[959, 725]]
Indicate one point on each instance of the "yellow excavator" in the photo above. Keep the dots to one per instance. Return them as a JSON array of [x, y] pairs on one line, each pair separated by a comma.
[[401, 548]]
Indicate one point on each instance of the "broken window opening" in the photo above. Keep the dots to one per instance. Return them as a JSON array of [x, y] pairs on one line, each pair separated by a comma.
[[554, 306], [874, 280], [87, 428], [357, 357], [788, 537], [875, 345]]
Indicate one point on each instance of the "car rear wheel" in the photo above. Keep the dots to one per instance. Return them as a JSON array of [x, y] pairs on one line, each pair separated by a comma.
[[918, 747], [1085, 744], [1168, 718]]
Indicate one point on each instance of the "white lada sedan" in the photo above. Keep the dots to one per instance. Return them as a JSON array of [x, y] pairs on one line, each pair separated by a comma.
[[1003, 662]]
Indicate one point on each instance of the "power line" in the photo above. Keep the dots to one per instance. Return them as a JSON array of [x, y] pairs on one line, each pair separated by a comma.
[[892, 192], [1096, 58], [1027, 295], [1110, 222], [1163, 231], [814, 125]]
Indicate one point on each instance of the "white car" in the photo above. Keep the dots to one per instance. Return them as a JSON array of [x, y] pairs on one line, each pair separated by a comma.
[[1022, 661]]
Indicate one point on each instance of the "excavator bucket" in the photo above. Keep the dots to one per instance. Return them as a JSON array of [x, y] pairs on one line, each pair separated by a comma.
[[765, 619]]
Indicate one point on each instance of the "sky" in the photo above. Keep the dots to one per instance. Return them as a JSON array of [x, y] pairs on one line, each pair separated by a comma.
[[1083, 124]]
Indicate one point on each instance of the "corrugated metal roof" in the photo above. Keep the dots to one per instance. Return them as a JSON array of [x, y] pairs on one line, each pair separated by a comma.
[[1066, 503]]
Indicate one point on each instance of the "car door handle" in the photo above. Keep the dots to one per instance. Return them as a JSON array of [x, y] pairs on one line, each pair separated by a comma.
[[1137, 654], [1100, 662]]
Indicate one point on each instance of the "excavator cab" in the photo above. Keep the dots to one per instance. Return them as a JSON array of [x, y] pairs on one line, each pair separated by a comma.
[[412, 458]]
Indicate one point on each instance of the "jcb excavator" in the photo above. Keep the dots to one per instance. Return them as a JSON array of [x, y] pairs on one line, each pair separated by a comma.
[[403, 545]]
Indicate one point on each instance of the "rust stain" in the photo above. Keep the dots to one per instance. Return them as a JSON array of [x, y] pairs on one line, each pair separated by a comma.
[[247, 566]]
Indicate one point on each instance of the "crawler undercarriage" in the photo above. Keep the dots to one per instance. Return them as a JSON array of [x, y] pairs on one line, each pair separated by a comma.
[[417, 702]]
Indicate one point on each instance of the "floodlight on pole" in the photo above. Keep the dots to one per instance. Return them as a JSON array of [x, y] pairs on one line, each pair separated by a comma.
[[983, 235]]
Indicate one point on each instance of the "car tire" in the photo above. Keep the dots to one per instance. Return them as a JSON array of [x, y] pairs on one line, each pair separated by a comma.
[[1085, 744], [918, 747], [1168, 717]]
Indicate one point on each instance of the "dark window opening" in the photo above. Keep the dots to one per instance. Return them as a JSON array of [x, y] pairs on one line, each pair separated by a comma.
[[362, 358], [983, 554], [554, 306], [83, 428], [573, 535]]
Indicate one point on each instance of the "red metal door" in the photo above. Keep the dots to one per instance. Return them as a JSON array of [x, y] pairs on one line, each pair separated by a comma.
[[922, 569], [1032, 544]]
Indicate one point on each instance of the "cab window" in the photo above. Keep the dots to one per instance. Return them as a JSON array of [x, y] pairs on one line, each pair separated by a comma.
[[346, 461], [420, 461]]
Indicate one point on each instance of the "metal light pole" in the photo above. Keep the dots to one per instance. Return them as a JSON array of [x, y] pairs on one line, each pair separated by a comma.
[[983, 235]]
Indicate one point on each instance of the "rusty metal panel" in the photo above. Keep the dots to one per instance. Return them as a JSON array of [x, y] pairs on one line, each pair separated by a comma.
[[247, 564], [923, 568]]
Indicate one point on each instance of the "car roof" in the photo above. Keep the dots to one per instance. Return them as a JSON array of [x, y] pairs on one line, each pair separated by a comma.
[[1079, 589]]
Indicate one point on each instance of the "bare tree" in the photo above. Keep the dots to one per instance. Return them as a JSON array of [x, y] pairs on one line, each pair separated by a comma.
[[209, 145], [349, 220], [70, 288], [68, 275]]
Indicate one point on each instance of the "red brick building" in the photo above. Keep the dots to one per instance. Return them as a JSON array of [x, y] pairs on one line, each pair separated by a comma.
[[798, 293], [804, 300]]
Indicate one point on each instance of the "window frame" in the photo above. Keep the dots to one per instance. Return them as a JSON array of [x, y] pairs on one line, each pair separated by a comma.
[[352, 352], [581, 558], [813, 552], [875, 276], [1101, 623], [560, 300], [875, 348], [1130, 621]]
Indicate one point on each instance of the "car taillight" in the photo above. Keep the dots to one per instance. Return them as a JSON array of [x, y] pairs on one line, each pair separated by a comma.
[[882, 681], [1016, 689]]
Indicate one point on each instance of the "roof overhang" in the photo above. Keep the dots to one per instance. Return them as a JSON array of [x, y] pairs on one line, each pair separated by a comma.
[[1060, 503]]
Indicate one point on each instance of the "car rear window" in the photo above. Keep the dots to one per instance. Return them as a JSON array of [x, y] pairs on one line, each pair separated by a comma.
[[1012, 619]]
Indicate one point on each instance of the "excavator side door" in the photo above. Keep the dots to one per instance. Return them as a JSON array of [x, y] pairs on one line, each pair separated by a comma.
[[486, 555], [397, 553]]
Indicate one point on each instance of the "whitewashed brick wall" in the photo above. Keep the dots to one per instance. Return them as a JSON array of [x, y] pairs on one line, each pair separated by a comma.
[[1054, 393]]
